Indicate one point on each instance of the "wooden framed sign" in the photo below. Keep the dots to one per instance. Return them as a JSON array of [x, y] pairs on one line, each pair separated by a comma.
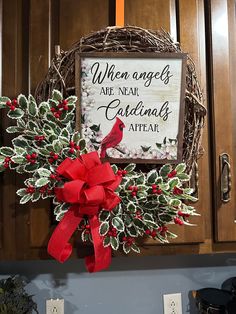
[[131, 105]]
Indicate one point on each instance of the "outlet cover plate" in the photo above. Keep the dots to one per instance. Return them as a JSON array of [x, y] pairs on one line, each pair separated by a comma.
[[172, 303], [55, 306]]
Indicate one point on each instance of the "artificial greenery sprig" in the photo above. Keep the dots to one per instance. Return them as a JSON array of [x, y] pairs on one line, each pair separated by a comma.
[[149, 201]]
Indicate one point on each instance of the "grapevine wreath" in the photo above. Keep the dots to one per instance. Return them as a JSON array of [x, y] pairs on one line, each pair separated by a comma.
[[111, 206]]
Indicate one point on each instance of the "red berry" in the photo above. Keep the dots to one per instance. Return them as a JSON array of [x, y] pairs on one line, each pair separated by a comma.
[[113, 229], [130, 188], [65, 102], [50, 160], [28, 157], [148, 232], [154, 191], [30, 189], [178, 221], [52, 176], [72, 144], [124, 239], [7, 159], [124, 172], [42, 137], [53, 109], [119, 172], [86, 232], [55, 157], [8, 103], [87, 226], [154, 186], [110, 233], [65, 107], [177, 191], [6, 165], [34, 155], [60, 106], [135, 188], [57, 115], [133, 193], [14, 102], [186, 215], [172, 174], [71, 150], [37, 137], [12, 108], [77, 147], [154, 233], [52, 153], [32, 161], [159, 191]]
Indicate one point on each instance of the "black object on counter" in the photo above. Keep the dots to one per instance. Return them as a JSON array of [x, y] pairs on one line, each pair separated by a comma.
[[215, 301]]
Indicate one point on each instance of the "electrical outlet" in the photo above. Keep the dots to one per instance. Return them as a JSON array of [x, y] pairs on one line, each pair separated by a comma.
[[172, 303], [55, 306]]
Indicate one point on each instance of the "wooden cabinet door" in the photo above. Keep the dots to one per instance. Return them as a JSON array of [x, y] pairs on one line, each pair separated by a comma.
[[222, 69], [175, 17]]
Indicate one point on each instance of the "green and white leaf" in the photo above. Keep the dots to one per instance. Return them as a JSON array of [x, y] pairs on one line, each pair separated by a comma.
[[22, 101], [130, 167], [107, 241], [41, 182], [43, 172], [118, 223], [180, 168], [152, 176], [15, 114], [6, 151], [104, 227], [114, 243], [17, 159], [21, 192], [26, 198]]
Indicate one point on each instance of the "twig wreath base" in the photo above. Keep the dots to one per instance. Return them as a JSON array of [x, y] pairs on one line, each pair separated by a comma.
[[61, 75], [148, 202]]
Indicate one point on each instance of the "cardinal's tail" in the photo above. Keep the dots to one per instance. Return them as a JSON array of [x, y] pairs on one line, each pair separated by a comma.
[[103, 152]]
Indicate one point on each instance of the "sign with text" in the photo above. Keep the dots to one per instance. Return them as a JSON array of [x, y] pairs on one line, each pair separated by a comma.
[[131, 105]]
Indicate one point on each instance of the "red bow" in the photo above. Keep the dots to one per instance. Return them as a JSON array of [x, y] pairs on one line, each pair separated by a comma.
[[91, 189]]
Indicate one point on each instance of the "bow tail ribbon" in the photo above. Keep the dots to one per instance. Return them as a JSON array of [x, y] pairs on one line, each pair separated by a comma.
[[60, 248]]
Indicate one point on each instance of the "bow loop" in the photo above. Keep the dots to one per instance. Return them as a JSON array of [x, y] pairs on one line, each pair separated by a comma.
[[91, 188]]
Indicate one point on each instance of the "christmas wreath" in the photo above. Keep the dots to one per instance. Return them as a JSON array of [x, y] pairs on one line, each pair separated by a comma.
[[110, 206]]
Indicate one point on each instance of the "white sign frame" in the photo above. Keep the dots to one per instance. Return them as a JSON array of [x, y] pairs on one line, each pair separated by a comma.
[[151, 86]]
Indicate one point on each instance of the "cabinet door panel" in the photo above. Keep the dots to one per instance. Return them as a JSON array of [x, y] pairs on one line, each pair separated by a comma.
[[80, 18], [222, 22], [152, 14]]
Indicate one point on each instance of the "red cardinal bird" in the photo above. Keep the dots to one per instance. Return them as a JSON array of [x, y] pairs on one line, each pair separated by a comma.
[[113, 138]]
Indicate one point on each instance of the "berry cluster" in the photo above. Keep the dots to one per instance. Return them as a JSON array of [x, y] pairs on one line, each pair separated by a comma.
[[30, 189], [177, 191], [73, 147], [121, 172], [31, 158], [156, 190], [45, 190], [39, 138], [128, 240], [178, 221], [133, 189], [7, 162], [112, 232], [162, 230], [53, 157], [172, 174], [12, 104], [151, 233], [60, 108]]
